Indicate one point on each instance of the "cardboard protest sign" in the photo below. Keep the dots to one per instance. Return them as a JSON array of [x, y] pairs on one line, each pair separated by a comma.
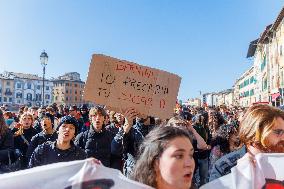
[[120, 84], [267, 173], [83, 174]]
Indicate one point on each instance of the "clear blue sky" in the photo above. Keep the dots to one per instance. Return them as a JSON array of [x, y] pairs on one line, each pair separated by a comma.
[[203, 41]]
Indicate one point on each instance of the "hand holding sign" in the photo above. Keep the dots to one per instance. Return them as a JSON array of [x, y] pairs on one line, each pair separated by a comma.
[[129, 115]]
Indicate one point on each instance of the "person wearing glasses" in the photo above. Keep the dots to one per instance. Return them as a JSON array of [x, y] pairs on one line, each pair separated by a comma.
[[261, 131]]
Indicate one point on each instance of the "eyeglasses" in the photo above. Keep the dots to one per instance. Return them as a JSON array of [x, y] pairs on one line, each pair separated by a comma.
[[278, 132]]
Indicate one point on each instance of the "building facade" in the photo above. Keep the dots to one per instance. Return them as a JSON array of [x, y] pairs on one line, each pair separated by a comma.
[[27, 89], [268, 62], [6, 89], [194, 102], [68, 89], [245, 88]]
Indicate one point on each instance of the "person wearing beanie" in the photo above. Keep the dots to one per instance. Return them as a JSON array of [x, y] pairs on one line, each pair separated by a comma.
[[61, 150], [47, 133]]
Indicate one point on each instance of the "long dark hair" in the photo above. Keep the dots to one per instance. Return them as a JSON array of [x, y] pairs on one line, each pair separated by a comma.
[[222, 137], [151, 149], [3, 126]]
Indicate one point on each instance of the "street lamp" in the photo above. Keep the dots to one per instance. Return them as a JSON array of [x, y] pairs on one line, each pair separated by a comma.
[[43, 61]]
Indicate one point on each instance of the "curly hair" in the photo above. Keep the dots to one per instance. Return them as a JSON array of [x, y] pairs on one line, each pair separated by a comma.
[[151, 150]]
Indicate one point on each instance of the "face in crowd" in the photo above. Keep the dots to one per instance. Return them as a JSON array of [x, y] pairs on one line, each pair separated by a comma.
[[275, 138], [262, 127], [72, 112], [66, 132], [34, 112], [165, 159], [46, 123], [119, 117], [97, 117], [41, 112], [26, 121], [175, 167]]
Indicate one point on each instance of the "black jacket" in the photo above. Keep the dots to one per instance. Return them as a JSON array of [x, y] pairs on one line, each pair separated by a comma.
[[38, 139], [6, 145], [97, 145], [20, 143], [128, 144], [48, 153], [115, 160]]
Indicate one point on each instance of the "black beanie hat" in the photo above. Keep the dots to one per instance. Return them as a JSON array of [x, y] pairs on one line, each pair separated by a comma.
[[69, 120]]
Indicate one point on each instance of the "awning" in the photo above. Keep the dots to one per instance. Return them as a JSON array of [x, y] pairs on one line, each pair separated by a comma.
[[252, 48], [274, 96]]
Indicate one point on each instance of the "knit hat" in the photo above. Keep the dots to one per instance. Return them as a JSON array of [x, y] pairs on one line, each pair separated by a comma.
[[69, 120]]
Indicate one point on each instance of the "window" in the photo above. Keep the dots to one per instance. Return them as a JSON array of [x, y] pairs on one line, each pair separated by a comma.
[[10, 99], [263, 63], [29, 86], [29, 96], [251, 79], [47, 88], [19, 95], [19, 85], [75, 92], [8, 83], [264, 84], [280, 49], [75, 85], [56, 98], [75, 98], [66, 98], [67, 84], [66, 91], [18, 101], [70, 91], [38, 97], [0, 98], [47, 96], [5, 99], [38, 87], [8, 91], [251, 92]]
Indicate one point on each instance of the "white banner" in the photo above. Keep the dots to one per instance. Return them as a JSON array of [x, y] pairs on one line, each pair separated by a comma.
[[83, 174], [268, 172]]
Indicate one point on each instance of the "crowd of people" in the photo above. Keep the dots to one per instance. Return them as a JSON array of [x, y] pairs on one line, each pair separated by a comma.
[[195, 146]]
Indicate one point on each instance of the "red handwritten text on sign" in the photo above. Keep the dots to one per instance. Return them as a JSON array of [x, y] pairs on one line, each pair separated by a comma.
[[136, 69], [137, 99]]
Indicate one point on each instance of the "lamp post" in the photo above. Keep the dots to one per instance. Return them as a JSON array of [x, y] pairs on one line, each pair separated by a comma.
[[43, 61]]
